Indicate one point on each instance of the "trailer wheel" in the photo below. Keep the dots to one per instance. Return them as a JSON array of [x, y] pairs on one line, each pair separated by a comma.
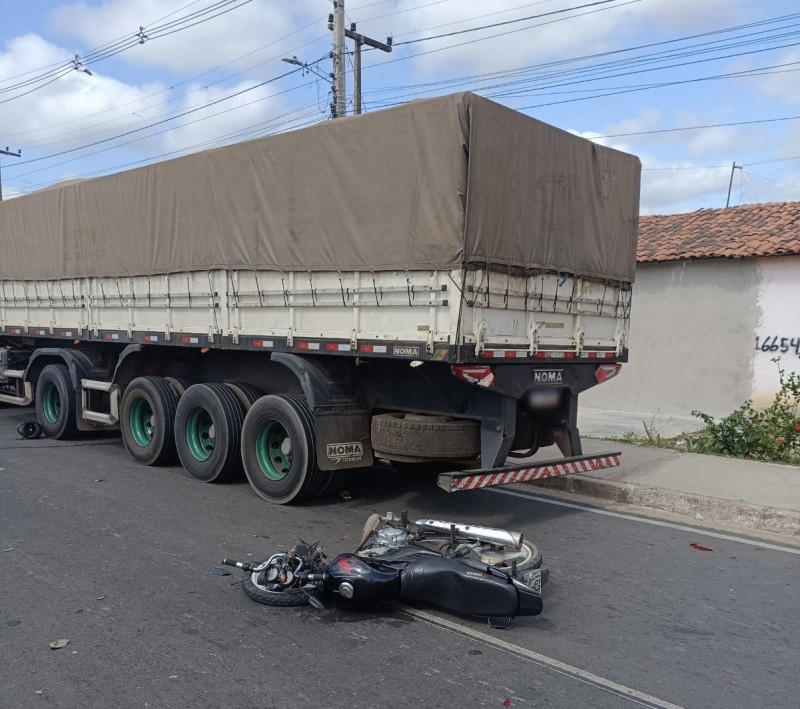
[[279, 450], [55, 402], [208, 430], [416, 435], [246, 393], [180, 384], [147, 420], [333, 482]]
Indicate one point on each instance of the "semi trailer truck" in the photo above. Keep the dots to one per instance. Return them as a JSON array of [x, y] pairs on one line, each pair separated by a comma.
[[433, 285]]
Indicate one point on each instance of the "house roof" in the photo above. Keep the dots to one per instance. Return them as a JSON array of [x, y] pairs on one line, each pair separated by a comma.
[[750, 230]]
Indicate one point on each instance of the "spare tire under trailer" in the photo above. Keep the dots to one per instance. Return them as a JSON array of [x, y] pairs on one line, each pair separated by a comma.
[[418, 437]]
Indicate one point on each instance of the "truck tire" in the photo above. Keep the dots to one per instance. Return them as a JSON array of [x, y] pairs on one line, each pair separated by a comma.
[[246, 393], [147, 420], [415, 435], [333, 482], [279, 450], [208, 432], [55, 402], [180, 384]]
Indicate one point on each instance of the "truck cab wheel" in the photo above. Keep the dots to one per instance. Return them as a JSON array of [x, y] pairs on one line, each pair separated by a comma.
[[55, 402]]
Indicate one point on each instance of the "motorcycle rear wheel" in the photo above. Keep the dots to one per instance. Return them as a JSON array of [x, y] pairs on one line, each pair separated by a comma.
[[527, 557], [286, 598]]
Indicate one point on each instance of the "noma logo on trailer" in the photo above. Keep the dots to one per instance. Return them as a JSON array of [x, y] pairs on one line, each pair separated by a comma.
[[405, 351], [548, 376], [345, 452]]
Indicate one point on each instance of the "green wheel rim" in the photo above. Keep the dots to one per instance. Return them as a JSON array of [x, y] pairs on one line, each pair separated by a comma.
[[140, 421], [200, 435], [270, 451], [51, 403]]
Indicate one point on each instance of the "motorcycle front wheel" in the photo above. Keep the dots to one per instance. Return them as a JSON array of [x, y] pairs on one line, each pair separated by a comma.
[[271, 595]]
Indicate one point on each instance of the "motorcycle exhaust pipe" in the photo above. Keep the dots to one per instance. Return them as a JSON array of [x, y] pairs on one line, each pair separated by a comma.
[[490, 535]]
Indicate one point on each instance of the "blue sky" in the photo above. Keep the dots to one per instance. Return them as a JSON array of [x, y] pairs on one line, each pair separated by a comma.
[[646, 73]]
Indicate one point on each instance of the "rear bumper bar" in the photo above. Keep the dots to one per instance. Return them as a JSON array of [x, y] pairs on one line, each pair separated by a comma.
[[475, 479]]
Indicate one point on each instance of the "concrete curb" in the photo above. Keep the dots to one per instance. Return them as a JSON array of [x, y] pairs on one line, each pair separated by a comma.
[[710, 509]]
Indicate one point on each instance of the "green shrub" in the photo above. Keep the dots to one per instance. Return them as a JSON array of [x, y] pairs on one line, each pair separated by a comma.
[[772, 433]]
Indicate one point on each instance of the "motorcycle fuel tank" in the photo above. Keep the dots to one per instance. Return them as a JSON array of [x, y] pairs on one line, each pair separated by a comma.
[[356, 583]]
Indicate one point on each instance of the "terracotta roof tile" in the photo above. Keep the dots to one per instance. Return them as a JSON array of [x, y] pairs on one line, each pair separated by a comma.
[[738, 232]]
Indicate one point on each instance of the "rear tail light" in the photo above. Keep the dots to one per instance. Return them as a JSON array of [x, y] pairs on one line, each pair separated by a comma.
[[606, 371], [479, 374]]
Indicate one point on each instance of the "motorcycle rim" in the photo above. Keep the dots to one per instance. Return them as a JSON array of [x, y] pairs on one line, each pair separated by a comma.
[[527, 557]]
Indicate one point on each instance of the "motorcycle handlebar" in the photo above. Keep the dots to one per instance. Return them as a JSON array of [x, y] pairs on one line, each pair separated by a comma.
[[243, 565], [316, 578]]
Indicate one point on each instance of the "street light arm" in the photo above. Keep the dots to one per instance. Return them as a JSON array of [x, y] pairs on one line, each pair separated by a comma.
[[307, 67]]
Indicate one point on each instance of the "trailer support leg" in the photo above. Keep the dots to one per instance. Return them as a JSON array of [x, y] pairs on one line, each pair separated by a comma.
[[567, 437]]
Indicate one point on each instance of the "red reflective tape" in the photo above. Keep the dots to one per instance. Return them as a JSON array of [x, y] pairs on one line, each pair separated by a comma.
[[302, 345], [365, 348], [474, 482], [477, 482]]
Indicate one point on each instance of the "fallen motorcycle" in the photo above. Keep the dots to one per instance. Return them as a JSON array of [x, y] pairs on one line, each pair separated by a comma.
[[465, 569]]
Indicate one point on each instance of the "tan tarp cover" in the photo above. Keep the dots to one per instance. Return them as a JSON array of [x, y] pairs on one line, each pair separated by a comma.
[[433, 184]]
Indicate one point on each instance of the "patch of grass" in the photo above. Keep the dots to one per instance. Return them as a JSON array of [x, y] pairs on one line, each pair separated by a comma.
[[769, 434], [653, 438]]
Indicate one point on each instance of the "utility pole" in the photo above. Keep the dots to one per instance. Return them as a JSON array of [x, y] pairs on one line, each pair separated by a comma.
[[360, 40], [336, 24], [730, 184], [18, 154]]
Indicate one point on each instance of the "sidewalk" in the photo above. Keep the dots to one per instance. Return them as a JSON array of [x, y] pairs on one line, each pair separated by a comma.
[[741, 493]]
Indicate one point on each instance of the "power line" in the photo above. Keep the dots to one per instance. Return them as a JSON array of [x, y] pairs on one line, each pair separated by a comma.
[[507, 22], [702, 127], [549, 66], [161, 122], [510, 84], [80, 62]]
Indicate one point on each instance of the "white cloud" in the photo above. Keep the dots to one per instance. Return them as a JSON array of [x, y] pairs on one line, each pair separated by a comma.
[[784, 84], [668, 186], [76, 108], [223, 118], [208, 44]]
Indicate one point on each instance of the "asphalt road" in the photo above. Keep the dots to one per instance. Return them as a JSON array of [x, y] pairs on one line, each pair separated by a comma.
[[119, 559]]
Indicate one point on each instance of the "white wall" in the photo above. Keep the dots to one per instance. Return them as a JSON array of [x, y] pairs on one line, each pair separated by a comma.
[[778, 330], [692, 338]]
